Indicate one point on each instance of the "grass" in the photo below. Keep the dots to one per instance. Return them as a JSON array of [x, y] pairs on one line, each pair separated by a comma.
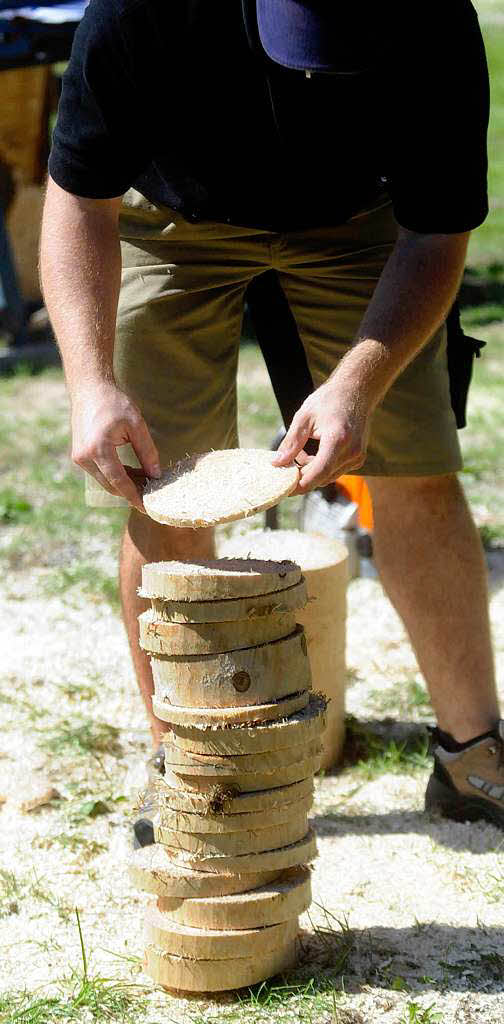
[[81, 736], [83, 578], [416, 1014], [84, 997], [405, 699], [370, 754], [486, 242]]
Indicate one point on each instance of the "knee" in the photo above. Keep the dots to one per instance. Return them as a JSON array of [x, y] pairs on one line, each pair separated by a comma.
[[414, 488], [157, 542]]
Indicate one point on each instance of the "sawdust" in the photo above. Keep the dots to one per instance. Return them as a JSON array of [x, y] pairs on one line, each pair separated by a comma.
[[423, 898]]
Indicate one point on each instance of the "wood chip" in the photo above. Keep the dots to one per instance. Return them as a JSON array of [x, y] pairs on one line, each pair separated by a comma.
[[186, 822], [202, 845], [175, 972], [256, 675], [301, 727], [214, 944], [34, 791], [218, 487], [217, 801], [177, 639], [247, 782], [217, 579], [301, 852], [231, 609], [153, 870], [218, 718], [225, 768], [285, 898]]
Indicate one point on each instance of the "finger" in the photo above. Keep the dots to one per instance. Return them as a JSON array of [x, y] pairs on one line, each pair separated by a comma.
[[325, 466], [144, 448], [92, 470], [294, 440], [344, 465], [113, 470]]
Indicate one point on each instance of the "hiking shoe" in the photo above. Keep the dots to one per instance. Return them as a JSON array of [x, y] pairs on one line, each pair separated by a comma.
[[143, 829], [469, 785]]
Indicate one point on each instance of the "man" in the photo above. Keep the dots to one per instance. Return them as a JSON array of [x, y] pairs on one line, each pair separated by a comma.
[[345, 149]]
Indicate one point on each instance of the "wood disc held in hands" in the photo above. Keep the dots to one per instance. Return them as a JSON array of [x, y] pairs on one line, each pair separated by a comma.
[[218, 487]]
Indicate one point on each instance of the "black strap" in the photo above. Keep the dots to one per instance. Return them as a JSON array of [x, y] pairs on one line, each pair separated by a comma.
[[278, 337]]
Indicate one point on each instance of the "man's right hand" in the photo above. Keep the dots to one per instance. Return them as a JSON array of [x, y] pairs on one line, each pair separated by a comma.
[[103, 418]]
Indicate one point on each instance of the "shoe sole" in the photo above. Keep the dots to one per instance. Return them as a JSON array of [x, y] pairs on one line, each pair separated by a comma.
[[441, 799]]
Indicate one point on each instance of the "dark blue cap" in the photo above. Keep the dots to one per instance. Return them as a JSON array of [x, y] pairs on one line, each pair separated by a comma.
[[315, 35]]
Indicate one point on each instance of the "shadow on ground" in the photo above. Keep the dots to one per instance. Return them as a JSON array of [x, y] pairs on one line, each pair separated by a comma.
[[421, 958]]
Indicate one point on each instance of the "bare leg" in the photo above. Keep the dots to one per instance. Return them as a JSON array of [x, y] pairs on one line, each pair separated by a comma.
[[147, 541], [431, 564]]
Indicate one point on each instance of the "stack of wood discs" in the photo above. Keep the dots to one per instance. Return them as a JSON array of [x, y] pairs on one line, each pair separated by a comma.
[[232, 840]]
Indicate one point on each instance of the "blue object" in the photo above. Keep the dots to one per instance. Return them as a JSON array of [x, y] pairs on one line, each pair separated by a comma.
[[317, 36]]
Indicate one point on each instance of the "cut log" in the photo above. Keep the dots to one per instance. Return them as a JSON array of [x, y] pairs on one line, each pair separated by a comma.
[[266, 762], [230, 610], [287, 897], [232, 844], [301, 727], [257, 675], [217, 801], [177, 639], [180, 821], [301, 852], [213, 944], [152, 869], [175, 972], [247, 782], [325, 568], [217, 579], [220, 718], [227, 485]]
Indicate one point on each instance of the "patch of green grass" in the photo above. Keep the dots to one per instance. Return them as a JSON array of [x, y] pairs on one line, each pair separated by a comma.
[[11, 890], [85, 578], [416, 1014], [486, 242], [371, 755], [402, 700], [487, 313], [76, 842], [14, 508], [81, 736], [83, 998]]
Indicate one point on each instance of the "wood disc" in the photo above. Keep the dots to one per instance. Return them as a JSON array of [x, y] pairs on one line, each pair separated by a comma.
[[287, 897], [180, 821], [214, 944], [217, 579], [247, 782], [176, 639], [175, 972], [253, 714], [256, 675], [217, 801], [153, 870], [203, 482], [232, 608], [301, 727], [200, 845], [301, 852], [266, 762]]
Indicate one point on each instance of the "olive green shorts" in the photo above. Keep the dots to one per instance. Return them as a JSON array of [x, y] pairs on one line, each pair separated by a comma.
[[179, 325]]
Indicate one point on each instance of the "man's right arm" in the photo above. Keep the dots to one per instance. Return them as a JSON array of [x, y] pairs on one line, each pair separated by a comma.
[[80, 265]]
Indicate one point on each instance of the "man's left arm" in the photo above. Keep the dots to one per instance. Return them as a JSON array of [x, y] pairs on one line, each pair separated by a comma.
[[412, 298]]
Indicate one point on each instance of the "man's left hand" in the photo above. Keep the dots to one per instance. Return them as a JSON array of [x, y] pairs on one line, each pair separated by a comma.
[[332, 416]]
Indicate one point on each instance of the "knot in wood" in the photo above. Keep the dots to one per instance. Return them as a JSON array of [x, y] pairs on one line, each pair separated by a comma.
[[241, 681]]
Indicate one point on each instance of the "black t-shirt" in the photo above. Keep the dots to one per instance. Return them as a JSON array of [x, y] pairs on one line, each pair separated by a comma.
[[168, 97]]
